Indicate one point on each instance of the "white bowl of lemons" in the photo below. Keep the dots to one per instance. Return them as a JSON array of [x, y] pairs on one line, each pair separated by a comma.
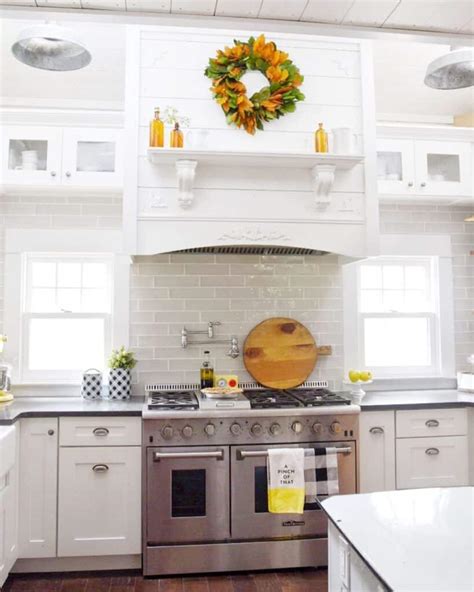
[[358, 378]]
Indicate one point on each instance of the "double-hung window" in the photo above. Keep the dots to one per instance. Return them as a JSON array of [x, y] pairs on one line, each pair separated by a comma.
[[66, 315], [398, 316]]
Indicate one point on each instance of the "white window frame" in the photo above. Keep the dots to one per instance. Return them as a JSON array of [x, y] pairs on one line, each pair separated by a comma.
[[104, 244], [430, 264], [418, 249], [33, 376]]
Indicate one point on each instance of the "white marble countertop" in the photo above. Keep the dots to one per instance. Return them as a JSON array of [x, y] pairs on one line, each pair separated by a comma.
[[414, 540]]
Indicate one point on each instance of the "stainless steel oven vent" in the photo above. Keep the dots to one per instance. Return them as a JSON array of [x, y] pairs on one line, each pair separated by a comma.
[[251, 250], [190, 386]]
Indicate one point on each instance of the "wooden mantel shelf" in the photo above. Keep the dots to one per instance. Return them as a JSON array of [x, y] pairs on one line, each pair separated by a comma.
[[323, 166]]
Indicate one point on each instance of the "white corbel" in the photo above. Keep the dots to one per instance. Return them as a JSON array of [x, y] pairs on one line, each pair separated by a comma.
[[323, 180], [186, 171]]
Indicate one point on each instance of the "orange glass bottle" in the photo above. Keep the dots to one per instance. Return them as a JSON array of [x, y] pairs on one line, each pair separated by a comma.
[[157, 131], [320, 139], [176, 137]]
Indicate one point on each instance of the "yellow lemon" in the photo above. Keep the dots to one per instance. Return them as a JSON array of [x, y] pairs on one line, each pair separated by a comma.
[[354, 375], [364, 376]]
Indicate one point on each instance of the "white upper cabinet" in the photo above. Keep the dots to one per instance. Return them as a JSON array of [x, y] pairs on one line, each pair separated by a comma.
[[92, 157], [432, 169], [62, 157], [443, 168], [31, 155], [395, 166]]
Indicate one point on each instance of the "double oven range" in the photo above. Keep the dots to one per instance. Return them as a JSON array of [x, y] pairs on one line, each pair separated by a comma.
[[205, 477]]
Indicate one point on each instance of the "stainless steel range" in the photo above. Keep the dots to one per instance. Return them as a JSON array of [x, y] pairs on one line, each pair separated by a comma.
[[205, 477]]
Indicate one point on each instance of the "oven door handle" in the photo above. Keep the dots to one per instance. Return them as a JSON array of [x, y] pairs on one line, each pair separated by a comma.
[[242, 454], [217, 454]]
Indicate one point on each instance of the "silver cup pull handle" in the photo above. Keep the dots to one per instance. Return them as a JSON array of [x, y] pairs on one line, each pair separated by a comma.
[[432, 423], [100, 432], [100, 468], [432, 451], [376, 430]]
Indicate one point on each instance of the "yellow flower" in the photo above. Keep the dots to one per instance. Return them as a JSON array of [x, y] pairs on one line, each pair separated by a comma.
[[276, 74]]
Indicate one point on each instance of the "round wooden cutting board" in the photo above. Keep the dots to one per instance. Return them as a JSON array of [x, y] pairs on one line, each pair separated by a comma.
[[280, 353]]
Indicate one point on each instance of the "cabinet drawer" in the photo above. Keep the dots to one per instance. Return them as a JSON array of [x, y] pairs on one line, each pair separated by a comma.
[[431, 422], [100, 431], [432, 462]]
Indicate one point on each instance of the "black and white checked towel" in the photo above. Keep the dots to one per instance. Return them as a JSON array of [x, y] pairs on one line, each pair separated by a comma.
[[320, 473]]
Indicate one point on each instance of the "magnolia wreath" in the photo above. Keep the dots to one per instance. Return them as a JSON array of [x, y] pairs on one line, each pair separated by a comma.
[[270, 102]]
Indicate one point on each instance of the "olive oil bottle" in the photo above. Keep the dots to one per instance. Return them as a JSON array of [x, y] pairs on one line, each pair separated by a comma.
[[207, 372], [157, 131], [320, 139]]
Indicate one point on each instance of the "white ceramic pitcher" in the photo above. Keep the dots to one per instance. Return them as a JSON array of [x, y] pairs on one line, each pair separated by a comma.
[[343, 140]]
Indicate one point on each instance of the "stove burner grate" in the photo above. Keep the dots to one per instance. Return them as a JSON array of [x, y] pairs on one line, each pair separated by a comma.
[[173, 400], [318, 397], [270, 399]]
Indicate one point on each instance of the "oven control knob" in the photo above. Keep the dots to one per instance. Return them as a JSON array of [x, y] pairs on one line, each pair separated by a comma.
[[236, 429], [167, 432], [210, 429], [317, 428], [336, 427], [256, 429], [187, 431], [275, 429], [297, 427]]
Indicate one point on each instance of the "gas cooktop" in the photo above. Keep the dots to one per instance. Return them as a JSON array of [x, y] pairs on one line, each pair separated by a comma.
[[186, 400]]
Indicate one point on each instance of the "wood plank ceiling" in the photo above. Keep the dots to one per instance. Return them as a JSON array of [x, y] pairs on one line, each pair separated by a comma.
[[453, 16]]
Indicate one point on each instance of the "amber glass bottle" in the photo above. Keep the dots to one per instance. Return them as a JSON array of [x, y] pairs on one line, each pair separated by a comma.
[[157, 131], [320, 139], [207, 372], [176, 137]]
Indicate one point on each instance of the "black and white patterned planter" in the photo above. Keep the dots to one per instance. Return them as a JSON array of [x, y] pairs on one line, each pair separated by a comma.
[[91, 384], [120, 382]]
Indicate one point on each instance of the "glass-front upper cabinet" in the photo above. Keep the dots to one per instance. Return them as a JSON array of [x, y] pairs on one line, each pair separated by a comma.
[[31, 155], [63, 156], [443, 168], [92, 157], [395, 166]]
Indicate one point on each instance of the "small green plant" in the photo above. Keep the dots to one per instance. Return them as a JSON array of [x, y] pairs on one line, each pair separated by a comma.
[[172, 116], [121, 358]]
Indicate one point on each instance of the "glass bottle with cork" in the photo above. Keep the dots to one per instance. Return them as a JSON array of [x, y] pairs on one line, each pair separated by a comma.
[[207, 371], [320, 139], [157, 131]]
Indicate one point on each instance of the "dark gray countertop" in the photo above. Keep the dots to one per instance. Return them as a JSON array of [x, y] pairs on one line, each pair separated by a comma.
[[77, 406], [59, 406], [416, 399]]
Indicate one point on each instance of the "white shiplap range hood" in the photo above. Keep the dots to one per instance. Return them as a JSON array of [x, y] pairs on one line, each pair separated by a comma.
[[238, 190]]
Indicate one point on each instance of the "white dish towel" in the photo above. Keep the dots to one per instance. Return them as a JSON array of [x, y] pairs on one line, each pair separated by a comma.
[[286, 487]]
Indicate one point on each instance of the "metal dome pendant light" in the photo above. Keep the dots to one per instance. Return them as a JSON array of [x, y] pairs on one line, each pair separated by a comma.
[[51, 47], [452, 70]]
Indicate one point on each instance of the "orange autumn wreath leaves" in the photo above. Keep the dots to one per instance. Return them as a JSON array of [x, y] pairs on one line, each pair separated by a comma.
[[270, 102]]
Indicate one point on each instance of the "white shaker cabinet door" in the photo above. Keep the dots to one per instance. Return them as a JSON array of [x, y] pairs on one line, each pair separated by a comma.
[[432, 462], [8, 500], [38, 487], [377, 451], [99, 501]]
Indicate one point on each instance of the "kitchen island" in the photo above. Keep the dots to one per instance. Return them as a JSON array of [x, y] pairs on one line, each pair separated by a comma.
[[402, 541]]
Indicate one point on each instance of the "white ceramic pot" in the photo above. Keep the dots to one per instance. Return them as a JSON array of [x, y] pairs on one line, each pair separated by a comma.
[[91, 384]]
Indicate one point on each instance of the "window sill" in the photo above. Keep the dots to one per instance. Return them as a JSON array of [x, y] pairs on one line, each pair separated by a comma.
[[400, 383]]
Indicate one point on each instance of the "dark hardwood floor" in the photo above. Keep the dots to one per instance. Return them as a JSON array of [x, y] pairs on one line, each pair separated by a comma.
[[301, 580]]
